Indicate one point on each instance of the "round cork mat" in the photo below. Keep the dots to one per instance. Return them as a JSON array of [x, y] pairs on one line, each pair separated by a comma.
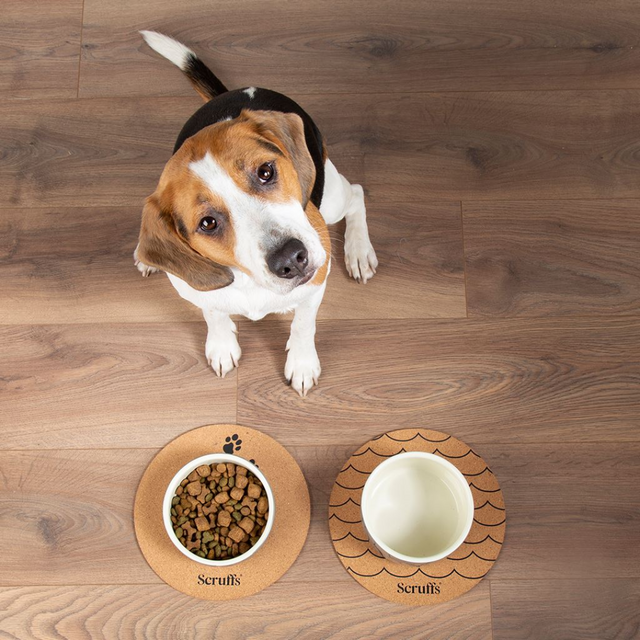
[[290, 525], [430, 583]]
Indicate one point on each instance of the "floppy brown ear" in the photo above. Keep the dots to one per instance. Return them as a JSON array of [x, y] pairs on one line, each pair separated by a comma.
[[160, 246], [288, 129]]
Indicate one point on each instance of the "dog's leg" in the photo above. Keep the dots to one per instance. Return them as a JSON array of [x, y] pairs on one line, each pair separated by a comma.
[[143, 268], [359, 255], [343, 200], [222, 348], [302, 368]]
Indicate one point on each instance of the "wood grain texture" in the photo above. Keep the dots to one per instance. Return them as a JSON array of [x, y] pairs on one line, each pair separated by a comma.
[[74, 511], [505, 145], [573, 511], [402, 147], [567, 609], [359, 46], [80, 261], [524, 118], [80, 386], [74, 514], [421, 271], [552, 258], [308, 612], [545, 380], [40, 49], [86, 153]]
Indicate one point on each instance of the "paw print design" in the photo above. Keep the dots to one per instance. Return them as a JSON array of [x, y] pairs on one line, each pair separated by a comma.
[[233, 444]]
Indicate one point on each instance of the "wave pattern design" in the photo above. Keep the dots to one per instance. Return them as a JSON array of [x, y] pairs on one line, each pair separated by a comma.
[[455, 574]]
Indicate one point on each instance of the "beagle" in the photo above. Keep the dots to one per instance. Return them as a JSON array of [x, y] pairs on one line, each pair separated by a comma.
[[239, 218]]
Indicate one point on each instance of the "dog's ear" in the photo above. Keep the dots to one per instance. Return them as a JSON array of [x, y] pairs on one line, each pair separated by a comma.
[[160, 246], [288, 130]]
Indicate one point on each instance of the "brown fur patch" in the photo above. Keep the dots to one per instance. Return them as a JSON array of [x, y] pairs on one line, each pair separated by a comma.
[[189, 199], [318, 223], [161, 246], [235, 146]]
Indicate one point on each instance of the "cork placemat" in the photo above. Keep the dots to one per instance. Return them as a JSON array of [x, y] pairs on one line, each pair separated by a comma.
[[417, 584], [271, 561]]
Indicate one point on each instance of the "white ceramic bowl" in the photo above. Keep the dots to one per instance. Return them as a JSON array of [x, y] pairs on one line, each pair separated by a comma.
[[215, 458], [417, 507]]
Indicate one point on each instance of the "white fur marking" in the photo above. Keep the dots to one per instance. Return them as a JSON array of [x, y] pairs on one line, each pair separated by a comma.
[[343, 200], [302, 368], [251, 91], [168, 47], [257, 222], [222, 349]]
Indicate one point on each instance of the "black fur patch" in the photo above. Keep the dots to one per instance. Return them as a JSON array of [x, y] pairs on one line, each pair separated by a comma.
[[182, 229], [203, 78]]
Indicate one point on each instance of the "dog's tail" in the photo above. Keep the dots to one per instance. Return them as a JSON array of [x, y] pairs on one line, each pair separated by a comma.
[[202, 78]]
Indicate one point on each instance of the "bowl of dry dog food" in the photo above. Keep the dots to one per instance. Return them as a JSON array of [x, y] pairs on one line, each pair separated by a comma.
[[218, 509]]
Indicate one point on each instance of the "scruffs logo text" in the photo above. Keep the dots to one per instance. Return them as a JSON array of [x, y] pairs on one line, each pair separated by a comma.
[[431, 588], [232, 580]]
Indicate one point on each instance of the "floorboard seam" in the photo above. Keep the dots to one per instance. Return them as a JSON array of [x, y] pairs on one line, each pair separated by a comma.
[[80, 52], [464, 262]]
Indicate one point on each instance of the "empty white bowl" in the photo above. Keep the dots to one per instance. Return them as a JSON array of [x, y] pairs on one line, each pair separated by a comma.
[[417, 507]]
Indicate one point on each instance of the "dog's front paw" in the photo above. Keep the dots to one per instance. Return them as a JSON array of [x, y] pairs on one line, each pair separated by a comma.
[[302, 368], [143, 268], [223, 353], [359, 255]]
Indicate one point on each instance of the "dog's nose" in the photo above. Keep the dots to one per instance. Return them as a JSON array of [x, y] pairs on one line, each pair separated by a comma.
[[289, 259]]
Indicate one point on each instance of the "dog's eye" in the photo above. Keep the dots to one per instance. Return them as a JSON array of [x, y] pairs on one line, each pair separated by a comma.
[[208, 224], [266, 172]]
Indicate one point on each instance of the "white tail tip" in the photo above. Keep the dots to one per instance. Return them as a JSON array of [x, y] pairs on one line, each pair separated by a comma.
[[168, 47]]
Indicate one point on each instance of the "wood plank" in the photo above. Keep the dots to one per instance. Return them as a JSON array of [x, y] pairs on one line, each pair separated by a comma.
[[572, 511], [552, 258], [40, 49], [402, 148], [505, 145], [115, 148], [309, 611], [67, 517], [88, 152], [108, 385], [543, 380], [421, 271], [80, 261], [362, 46], [567, 609]]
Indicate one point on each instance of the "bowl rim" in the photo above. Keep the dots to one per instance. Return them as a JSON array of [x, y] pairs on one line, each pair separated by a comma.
[[182, 473], [466, 490]]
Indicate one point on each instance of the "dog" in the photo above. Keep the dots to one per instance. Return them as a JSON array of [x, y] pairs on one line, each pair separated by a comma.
[[239, 218]]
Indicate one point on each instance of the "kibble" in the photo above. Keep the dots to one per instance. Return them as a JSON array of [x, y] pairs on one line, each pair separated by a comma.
[[219, 511]]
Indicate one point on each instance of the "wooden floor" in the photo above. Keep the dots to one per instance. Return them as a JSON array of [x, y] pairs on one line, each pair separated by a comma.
[[499, 147]]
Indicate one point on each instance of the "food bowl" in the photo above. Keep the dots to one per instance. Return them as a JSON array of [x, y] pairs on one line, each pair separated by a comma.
[[187, 469]]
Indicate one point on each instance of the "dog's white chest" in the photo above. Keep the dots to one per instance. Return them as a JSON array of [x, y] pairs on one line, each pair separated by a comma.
[[243, 297]]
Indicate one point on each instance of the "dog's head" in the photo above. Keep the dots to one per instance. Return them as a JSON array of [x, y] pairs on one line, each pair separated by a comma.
[[234, 197]]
